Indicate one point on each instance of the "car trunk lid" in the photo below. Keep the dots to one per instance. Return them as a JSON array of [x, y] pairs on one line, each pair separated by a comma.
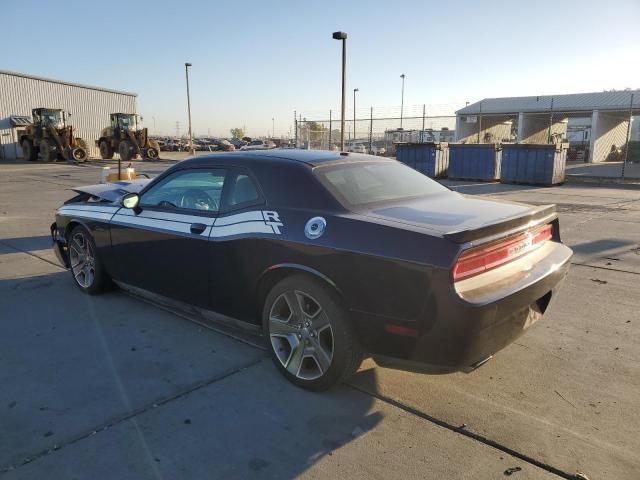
[[460, 218]]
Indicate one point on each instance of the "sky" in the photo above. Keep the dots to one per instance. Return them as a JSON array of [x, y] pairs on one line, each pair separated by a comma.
[[255, 61]]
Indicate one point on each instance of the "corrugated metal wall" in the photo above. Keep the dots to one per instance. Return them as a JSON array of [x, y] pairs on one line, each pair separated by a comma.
[[90, 107]]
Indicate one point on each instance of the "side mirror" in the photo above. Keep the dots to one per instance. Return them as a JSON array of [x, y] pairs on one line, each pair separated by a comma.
[[130, 200], [69, 114]]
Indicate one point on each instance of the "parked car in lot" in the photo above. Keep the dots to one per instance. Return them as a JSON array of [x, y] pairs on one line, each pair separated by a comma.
[[358, 148], [171, 146], [331, 255], [379, 151], [259, 145], [238, 143], [223, 145]]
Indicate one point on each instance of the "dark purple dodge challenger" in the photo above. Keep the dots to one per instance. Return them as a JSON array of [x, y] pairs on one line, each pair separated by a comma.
[[334, 256]]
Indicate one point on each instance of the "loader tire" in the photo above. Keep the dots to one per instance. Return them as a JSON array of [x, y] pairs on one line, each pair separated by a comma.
[[48, 150], [79, 154], [126, 150], [106, 150], [29, 151], [153, 152]]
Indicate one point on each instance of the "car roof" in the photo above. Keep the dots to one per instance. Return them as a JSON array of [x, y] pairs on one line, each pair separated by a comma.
[[310, 157]]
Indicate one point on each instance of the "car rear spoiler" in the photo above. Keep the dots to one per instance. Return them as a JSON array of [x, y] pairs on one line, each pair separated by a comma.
[[542, 214]]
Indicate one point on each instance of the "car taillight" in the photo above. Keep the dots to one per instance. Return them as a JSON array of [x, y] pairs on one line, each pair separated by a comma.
[[481, 259]]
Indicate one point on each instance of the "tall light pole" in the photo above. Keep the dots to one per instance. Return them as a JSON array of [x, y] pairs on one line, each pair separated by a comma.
[[273, 127], [342, 36], [186, 71], [402, 100], [354, 112]]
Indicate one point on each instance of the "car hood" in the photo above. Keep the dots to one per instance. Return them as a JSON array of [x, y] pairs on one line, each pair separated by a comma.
[[453, 214], [113, 192]]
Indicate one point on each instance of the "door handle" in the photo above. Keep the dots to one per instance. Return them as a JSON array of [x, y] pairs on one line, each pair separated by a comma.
[[198, 228]]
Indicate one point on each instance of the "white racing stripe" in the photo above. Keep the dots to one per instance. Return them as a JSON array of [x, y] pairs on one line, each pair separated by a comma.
[[175, 217], [257, 221], [246, 223], [156, 224], [88, 214], [241, 229], [240, 217], [97, 207]]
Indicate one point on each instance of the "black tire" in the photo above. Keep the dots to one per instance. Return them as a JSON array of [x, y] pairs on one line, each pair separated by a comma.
[[345, 348], [106, 151], [79, 154], [48, 150], [126, 150], [100, 280], [153, 152], [29, 151]]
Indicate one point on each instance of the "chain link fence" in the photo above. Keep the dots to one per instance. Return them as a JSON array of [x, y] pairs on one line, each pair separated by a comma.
[[374, 130]]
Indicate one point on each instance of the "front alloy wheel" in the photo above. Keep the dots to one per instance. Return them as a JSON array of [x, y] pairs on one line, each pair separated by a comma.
[[301, 335], [82, 259], [86, 267]]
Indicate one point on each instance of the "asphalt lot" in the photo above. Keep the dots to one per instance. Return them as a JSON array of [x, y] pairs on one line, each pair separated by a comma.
[[112, 387]]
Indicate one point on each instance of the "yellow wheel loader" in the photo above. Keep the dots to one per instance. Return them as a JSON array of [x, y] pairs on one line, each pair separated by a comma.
[[52, 138], [126, 136]]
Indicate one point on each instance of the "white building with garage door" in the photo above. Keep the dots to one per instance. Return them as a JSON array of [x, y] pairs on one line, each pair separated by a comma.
[[89, 107]]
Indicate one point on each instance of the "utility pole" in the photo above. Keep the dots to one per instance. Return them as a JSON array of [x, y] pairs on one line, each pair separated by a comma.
[[550, 121], [354, 112], [186, 71], [626, 150], [273, 127], [329, 130], [342, 36], [402, 100]]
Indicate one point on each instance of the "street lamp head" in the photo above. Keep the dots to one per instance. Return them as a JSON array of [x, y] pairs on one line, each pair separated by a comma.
[[339, 35], [402, 76], [356, 90], [187, 64]]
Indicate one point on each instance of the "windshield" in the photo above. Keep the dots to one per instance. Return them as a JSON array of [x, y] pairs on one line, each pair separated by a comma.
[[128, 122], [52, 118], [363, 183]]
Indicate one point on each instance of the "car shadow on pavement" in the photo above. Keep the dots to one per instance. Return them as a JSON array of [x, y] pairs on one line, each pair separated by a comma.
[[600, 246], [109, 386], [28, 244]]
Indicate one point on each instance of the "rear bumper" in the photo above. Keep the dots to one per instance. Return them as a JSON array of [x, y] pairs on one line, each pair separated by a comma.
[[59, 246], [460, 335]]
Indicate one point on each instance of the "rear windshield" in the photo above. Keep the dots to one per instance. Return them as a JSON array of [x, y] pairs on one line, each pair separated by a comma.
[[364, 183]]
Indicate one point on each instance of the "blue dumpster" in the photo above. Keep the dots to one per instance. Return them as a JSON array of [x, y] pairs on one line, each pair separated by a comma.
[[473, 161], [430, 158], [534, 164]]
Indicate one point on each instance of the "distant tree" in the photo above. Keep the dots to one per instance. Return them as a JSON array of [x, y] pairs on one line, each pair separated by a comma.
[[237, 132]]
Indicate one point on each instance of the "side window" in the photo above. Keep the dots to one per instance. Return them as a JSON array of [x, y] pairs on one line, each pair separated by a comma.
[[242, 191], [199, 189]]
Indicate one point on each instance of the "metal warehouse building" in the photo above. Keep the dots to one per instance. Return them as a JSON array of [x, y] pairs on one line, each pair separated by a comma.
[[89, 107], [532, 119]]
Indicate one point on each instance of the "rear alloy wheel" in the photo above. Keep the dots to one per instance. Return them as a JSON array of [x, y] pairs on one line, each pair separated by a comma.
[[106, 152], [312, 341], [86, 268]]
